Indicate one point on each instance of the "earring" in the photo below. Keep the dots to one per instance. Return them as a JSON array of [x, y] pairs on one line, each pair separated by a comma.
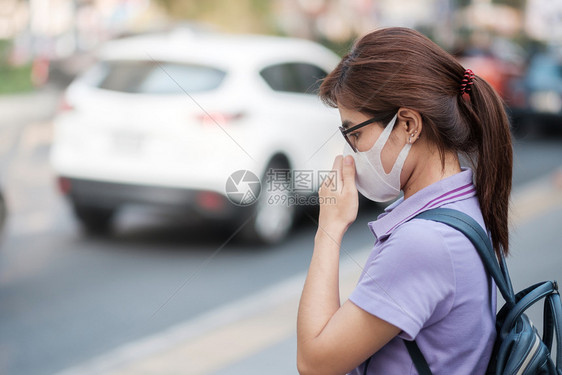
[[412, 135]]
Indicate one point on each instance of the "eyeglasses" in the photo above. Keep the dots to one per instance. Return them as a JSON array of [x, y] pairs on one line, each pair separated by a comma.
[[345, 132]]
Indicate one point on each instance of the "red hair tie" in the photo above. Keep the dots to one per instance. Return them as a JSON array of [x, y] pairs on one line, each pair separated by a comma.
[[467, 81]]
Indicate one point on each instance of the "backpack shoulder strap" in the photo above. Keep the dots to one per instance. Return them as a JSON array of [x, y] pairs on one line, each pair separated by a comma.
[[417, 357], [476, 234]]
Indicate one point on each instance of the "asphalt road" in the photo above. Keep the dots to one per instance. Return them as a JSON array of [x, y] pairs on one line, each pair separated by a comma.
[[66, 297]]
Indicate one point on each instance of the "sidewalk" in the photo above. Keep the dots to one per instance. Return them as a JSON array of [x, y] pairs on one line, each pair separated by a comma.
[[257, 335], [27, 107]]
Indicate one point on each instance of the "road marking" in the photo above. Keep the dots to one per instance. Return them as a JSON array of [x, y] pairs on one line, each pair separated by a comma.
[[536, 198], [233, 341]]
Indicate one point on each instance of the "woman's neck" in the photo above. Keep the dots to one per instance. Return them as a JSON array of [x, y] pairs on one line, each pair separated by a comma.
[[429, 170]]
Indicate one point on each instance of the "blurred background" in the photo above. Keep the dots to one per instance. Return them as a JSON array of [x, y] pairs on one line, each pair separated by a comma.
[[129, 245]]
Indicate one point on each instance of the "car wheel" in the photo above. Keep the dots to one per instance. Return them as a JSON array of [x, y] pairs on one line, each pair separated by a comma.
[[273, 215], [95, 220]]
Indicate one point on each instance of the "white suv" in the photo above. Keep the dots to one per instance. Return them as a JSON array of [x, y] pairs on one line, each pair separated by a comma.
[[166, 119]]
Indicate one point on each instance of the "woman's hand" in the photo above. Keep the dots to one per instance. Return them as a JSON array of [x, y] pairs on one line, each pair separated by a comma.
[[338, 197]]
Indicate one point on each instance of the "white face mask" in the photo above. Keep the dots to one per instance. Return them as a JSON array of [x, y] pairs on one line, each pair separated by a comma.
[[371, 180]]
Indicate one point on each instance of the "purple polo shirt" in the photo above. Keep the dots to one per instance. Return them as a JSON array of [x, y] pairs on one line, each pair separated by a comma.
[[427, 279]]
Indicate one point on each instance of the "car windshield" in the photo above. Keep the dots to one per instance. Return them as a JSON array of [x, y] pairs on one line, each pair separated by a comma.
[[150, 77]]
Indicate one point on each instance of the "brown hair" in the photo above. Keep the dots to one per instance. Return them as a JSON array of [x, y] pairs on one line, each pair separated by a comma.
[[399, 67]]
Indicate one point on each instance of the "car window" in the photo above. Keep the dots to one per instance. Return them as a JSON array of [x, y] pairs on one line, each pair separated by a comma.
[[148, 77], [300, 78]]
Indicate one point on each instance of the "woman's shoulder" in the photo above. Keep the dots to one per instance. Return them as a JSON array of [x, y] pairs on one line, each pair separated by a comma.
[[419, 232], [434, 232], [434, 242], [419, 241]]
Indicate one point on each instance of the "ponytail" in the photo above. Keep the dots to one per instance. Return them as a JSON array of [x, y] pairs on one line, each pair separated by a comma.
[[494, 159]]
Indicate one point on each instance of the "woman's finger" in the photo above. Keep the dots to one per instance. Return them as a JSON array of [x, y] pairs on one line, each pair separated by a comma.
[[348, 172], [337, 179], [331, 180]]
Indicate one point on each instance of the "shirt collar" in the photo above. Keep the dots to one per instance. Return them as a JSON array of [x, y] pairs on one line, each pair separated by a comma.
[[451, 189]]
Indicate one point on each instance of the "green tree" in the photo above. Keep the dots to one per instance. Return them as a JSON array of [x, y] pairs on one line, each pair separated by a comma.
[[234, 16]]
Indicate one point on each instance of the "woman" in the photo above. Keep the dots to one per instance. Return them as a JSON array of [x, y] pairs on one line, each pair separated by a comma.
[[408, 110]]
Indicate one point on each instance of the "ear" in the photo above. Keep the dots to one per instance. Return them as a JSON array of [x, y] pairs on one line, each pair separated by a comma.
[[410, 124]]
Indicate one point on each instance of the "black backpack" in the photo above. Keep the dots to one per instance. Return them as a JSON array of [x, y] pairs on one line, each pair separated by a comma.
[[519, 349]]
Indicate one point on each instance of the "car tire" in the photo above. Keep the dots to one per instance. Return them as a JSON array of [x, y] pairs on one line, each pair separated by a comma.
[[94, 220], [271, 222]]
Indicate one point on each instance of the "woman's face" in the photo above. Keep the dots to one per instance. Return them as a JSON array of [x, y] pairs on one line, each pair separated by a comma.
[[364, 138]]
